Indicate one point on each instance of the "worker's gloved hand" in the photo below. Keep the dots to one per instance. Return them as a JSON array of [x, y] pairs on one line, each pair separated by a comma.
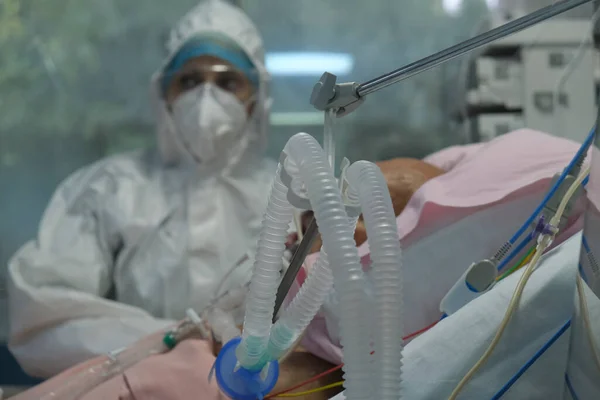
[[404, 177], [217, 344], [225, 318]]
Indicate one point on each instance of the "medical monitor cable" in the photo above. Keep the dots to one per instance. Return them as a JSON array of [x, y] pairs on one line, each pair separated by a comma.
[[521, 263], [585, 181], [544, 241], [573, 169], [516, 251]]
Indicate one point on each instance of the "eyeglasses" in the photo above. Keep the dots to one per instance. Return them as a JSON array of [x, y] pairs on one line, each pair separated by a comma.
[[223, 76]]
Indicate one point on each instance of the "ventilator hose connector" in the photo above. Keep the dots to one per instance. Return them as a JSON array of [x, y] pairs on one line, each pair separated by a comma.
[[368, 182], [263, 285]]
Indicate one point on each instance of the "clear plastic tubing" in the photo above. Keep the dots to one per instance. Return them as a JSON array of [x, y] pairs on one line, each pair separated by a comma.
[[303, 307], [222, 324], [338, 239], [263, 285], [367, 181], [77, 381], [329, 139]]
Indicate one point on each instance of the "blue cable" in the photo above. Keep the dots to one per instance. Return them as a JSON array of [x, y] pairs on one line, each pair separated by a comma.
[[582, 273], [584, 147], [585, 180], [532, 360], [516, 251], [588, 252], [528, 239], [571, 388], [586, 246]]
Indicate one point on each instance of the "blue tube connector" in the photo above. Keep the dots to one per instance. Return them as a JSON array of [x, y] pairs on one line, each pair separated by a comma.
[[239, 383]]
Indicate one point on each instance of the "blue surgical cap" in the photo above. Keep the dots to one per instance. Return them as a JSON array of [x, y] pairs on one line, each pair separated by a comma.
[[213, 45]]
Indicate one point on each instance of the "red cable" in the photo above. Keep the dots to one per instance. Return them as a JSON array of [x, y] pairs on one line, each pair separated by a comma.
[[311, 380], [412, 335], [329, 371]]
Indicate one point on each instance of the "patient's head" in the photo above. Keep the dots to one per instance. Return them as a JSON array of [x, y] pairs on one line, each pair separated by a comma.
[[404, 177]]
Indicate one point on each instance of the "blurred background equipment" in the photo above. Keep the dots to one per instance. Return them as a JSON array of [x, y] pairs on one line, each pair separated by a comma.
[[543, 78]]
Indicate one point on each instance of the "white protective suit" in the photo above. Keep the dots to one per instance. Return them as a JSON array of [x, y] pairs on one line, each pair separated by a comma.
[[151, 230]]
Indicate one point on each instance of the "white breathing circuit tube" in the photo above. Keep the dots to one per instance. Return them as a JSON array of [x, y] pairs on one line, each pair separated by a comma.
[[309, 173], [386, 275], [260, 302]]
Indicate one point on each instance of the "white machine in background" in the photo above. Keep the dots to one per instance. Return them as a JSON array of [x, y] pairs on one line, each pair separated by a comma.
[[542, 78]]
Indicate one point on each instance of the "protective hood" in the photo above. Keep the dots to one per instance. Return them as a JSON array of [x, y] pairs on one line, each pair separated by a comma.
[[216, 17]]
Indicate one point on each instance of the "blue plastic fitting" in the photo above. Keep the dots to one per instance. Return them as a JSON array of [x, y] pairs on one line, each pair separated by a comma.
[[242, 384]]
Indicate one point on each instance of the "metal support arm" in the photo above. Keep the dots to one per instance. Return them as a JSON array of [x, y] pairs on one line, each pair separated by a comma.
[[346, 97]]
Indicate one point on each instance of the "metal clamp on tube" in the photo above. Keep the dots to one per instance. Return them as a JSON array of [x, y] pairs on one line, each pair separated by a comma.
[[327, 95]]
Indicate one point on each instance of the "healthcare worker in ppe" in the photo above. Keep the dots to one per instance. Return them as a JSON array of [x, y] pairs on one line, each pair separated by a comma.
[[128, 244]]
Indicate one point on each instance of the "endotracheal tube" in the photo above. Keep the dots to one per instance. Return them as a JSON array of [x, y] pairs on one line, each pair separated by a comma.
[[247, 367]]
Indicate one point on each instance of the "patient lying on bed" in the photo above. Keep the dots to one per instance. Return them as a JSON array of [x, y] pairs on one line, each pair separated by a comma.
[[479, 179], [446, 189]]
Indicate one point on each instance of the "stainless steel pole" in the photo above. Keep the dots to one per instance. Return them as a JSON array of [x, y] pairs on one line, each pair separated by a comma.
[[471, 44]]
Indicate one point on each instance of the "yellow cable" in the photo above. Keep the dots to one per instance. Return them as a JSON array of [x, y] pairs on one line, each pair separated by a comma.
[[586, 321], [565, 200], [307, 392], [543, 242], [509, 312], [525, 261]]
